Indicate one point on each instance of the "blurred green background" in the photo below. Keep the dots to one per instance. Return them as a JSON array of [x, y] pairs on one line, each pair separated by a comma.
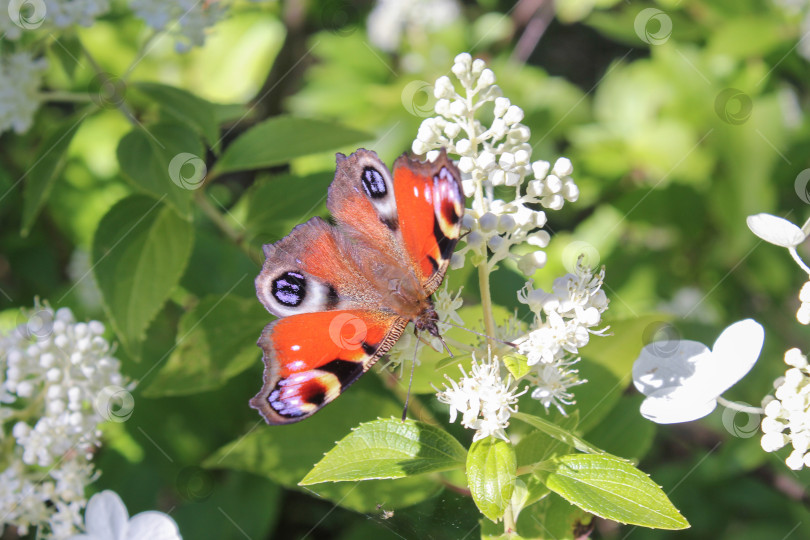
[[681, 118]]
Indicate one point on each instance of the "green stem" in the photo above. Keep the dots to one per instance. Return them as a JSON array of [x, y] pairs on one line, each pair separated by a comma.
[[509, 526], [57, 95], [486, 303], [222, 224]]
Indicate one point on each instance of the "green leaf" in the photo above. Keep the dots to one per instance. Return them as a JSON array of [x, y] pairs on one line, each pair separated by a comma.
[[286, 453], [388, 448], [557, 432], [164, 160], [280, 139], [624, 432], [491, 469], [41, 176], [215, 341], [611, 488], [553, 518], [185, 107], [273, 206], [537, 446], [140, 250], [517, 364], [68, 49]]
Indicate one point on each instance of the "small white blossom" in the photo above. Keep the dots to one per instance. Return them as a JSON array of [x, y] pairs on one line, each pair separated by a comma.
[[682, 379], [106, 518], [390, 19], [787, 413], [52, 371], [485, 401], [552, 382], [20, 80], [776, 230], [19, 17], [186, 20], [563, 317], [501, 156]]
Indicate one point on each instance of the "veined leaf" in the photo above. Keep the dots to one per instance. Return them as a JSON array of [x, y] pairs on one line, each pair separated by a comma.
[[491, 468]]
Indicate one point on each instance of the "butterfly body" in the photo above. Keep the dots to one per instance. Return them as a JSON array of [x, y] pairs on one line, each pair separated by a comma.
[[345, 292]]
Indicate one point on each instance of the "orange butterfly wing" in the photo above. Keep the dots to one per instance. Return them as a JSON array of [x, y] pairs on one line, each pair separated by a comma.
[[310, 359]]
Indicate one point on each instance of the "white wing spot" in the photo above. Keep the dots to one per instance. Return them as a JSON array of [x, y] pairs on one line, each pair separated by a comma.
[[295, 348], [415, 191]]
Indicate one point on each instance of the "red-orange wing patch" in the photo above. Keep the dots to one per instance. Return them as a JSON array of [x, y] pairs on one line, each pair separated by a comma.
[[430, 205], [312, 357]]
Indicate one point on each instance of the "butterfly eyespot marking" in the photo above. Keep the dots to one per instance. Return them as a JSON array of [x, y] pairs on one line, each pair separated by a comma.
[[374, 183], [290, 289]]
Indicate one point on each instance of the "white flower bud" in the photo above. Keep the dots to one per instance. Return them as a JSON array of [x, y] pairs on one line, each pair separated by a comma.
[[458, 108], [506, 223], [468, 186], [570, 191], [442, 107], [20, 430], [523, 216], [46, 360], [25, 389], [498, 129], [793, 377], [432, 155], [522, 157], [563, 167], [464, 59], [771, 442], [530, 262], [488, 222], [466, 164], [795, 358], [553, 202], [452, 130], [539, 219], [478, 66], [53, 375], [457, 261], [474, 239], [495, 243], [772, 425], [501, 106], [486, 79], [507, 160], [803, 314], [513, 115], [539, 239], [540, 169], [795, 460], [497, 177], [486, 161], [96, 327], [518, 134], [553, 183], [443, 88], [512, 179], [468, 222], [64, 315], [463, 146], [534, 188]]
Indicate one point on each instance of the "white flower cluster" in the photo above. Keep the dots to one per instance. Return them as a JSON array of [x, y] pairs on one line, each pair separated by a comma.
[[20, 79], [490, 157], [803, 314], [484, 399], [56, 377], [16, 16], [186, 20], [787, 415], [564, 319], [390, 19]]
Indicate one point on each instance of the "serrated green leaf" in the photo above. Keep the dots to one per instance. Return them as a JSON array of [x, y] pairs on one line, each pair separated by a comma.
[[40, 178], [517, 364], [553, 518], [388, 448], [557, 432], [280, 139], [186, 107], [216, 340], [624, 432], [537, 446], [491, 469], [140, 250], [286, 453], [611, 488], [145, 156]]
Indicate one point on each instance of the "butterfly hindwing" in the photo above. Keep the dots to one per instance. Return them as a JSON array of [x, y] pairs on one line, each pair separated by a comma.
[[311, 358]]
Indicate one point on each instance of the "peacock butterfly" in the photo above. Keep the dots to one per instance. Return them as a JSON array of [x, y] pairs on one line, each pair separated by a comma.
[[345, 292]]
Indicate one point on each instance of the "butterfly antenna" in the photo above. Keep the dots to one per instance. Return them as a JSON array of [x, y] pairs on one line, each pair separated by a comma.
[[410, 383], [509, 343]]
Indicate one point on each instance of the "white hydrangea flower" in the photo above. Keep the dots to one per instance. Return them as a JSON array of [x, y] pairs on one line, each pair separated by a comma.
[[776, 230], [683, 379], [390, 19], [186, 20], [20, 80], [106, 518], [55, 388], [485, 401], [498, 155], [787, 413], [564, 317]]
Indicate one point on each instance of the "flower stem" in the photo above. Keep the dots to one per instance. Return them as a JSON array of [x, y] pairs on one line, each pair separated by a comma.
[[486, 303], [508, 520], [799, 260], [739, 407]]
